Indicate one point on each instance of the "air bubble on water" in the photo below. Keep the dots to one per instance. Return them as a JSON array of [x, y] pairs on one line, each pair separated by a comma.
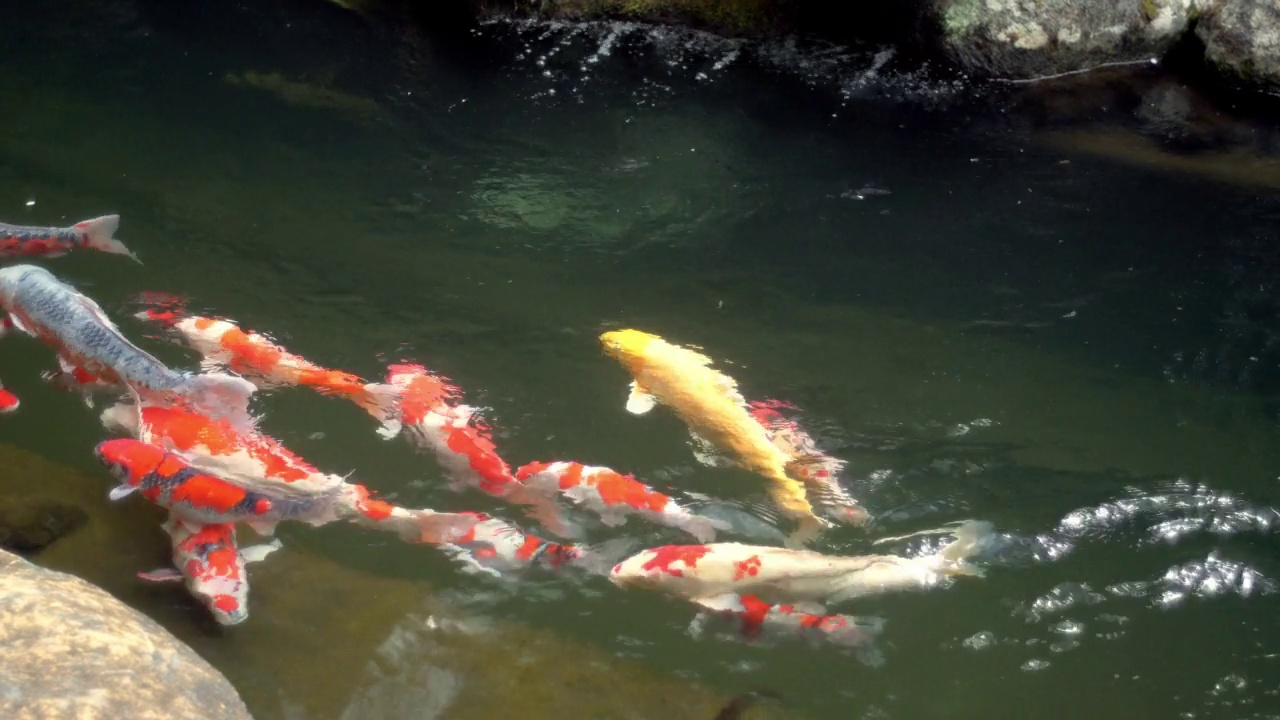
[[980, 641], [1035, 665]]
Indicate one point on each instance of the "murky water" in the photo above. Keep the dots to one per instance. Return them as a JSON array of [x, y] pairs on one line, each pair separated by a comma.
[[983, 323]]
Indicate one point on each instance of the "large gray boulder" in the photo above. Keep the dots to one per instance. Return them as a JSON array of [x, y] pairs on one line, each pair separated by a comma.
[[1034, 38], [1242, 37], [70, 650]]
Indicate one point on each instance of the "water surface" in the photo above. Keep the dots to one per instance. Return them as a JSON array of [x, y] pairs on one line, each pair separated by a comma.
[[984, 324]]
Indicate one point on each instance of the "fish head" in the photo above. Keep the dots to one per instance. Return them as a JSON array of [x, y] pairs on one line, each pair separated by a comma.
[[627, 346], [226, 600], [202, 333], [129, 460]]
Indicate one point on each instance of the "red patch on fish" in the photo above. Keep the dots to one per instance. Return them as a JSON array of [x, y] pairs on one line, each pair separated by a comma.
[[8, 401], [754, 611], [662, 558], [746, 568], [189, 430], [617, 489]]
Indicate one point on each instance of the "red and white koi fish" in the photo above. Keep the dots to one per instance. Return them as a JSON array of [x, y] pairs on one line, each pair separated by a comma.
[[818, 471], [265, 363], [250, 459], [282, 486], [779, 575], [427, 415], [756, 619], [496, 548], [83, 336], [96, 234], [169, 482], [206, 558], [614, 496]]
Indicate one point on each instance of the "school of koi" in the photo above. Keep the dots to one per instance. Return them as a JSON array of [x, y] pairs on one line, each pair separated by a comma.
[[191, 446]]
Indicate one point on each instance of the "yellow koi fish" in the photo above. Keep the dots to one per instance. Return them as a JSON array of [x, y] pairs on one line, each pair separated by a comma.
[[716, 413]]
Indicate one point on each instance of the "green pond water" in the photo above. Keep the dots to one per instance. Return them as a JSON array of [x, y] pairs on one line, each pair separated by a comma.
[[1083, 352]]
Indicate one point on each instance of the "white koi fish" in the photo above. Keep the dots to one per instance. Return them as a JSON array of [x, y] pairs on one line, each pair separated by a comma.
[[703, 573]]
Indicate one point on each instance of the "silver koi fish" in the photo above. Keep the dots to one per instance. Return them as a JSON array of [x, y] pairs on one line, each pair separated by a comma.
[[96, 234], [46, 308]]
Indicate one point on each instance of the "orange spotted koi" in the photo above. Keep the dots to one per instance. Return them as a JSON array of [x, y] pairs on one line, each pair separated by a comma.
[[265, 363], [247, 458], [818, 471], [96, 234], [169, 482], [614, 496], [495, 548], [261, 470], [206, 558], [430, 419]]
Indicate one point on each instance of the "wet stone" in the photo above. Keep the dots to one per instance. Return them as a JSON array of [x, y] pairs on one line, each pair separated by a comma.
[[71, 650]]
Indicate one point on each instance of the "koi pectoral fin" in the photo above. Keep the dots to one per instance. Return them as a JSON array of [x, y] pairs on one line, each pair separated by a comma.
[[639, 402], [258, 553], [120, 492], [161, 575]]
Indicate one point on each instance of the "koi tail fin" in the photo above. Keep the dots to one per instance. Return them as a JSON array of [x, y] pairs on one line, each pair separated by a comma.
[[542, 510], [972, 537], [704, 529], [380, 400], [422, 526], [121, 418], [223, 395], [99, 234], [599, 558]]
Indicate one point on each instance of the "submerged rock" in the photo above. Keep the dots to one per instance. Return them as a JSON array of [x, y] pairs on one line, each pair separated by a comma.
[[30, 524], [70, 649]]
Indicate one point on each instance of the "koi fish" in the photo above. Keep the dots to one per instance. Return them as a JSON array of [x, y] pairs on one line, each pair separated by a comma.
[[280, 485], [462, 446], [756, 619], [169, 482], [614, 496], [96, 234], [206, 558], [494, 547], [715, 412], [703, 573], [817, 470], [46, 308], [266, 364], [247, 458]]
